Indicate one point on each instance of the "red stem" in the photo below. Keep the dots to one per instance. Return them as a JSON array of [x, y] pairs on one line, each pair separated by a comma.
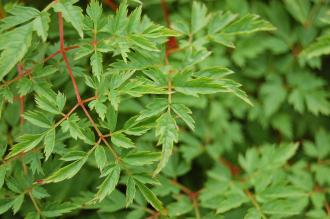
[[172, 42], [166, 12], [28, 71], [110, 3], [74, 83], [21, 98]]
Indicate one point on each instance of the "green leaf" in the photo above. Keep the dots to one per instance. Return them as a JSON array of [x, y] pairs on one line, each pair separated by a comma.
[[273, 94], [230, 202], [247, 24], [130, 191], [220, 20], [108, 185], [49, 142], [285, 207], [146, 179], [199, 17], [150, 196], [121, 140], [26, 143], [320, 47], [281, 191], [253, 213], [66, 172], [17, 203], [71, 124], [283, 153], [32, 215], [197, 86], [57, 209], [14, 49], [100, 108], [18, 15], [73, 155], [141, 158], [3, 171], [111, 118], [39, 192], [47, 104], [41, 25], [24, 86], [184, 113], [167, 135], [100, 157], [120, 20], [5, 205], [299, 9], [97, 66], [83, 50], [37, 118], [154, 108], [143, 43], [182, 206], [94, 11], [72, 14], [134, 20], [60, 101]]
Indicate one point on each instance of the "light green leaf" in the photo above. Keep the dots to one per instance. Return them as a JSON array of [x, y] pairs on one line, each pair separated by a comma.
[[299, 9], [141, 158], [108, 185], [97, 66], [49, 142], [66, 172], [130, 191], [72, 14], [247, 24], [3, 171], [27, 143], [121, 140], [57, 209], [73, 155], [184, 113], [100, 108], [41, 25], [32, 215], [199, 17], [197, 86], [38, 119], [320, 47], [167, 135], [60, 101], [283, 153], [71, 124], [134, 20], [5, 205], [182, 206], [19, 15], [252, 213], [94, 11], [100, 157], [111, 118], [14, 49], [154, 108], [143, 43], [230, 202], [285, 207], [150, 196], [47, 104], [17, 203]]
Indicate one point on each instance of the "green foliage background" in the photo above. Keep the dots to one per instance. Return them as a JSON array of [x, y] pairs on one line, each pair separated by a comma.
[[270, 159]]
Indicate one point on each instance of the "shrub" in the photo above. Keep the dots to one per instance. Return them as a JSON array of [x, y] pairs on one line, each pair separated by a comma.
[[87, 95]]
